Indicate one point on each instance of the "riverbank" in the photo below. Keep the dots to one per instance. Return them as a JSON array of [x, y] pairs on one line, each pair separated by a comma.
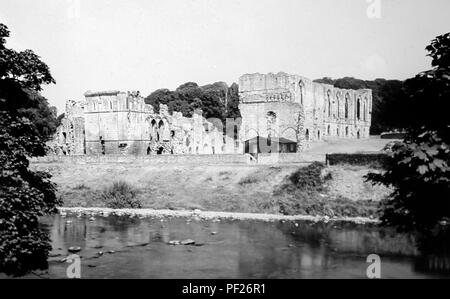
[[205, 215], [222, 188]]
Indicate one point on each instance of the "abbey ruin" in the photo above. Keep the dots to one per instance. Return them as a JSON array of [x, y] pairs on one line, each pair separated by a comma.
[[287, 108]]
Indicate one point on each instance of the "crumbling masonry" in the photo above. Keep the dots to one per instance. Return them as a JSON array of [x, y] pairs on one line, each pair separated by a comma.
[[272, 106]]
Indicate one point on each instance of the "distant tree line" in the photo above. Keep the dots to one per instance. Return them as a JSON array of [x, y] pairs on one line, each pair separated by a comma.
[[389, 109], [217, 100]]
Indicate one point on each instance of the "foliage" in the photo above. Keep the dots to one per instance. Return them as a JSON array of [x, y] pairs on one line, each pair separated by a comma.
[[307, 178], [216, 100], [120, 195], [302, 195], [25, 195], [21, 77], [420, 170], [372, 160]]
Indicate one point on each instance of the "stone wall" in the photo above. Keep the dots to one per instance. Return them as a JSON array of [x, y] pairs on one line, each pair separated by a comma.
[[271, 105], [114, 122], [303, 111]]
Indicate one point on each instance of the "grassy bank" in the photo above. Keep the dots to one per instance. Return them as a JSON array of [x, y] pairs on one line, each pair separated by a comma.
[[289, 190]]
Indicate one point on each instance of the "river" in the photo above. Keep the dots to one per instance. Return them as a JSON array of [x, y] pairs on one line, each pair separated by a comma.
[[130, 247]]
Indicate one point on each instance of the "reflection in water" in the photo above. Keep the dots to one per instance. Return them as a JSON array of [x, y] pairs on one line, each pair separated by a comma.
[[240, 249]]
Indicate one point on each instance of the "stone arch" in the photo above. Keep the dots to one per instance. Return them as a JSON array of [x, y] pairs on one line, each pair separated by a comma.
[[290, 133], [271, 119], [338, 100], [358, 109], [251, 133], [301, 88], [366, 104], [347, 102], [328, 103]]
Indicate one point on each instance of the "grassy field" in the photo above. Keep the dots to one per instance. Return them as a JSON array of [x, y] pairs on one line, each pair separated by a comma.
[[231, 188]]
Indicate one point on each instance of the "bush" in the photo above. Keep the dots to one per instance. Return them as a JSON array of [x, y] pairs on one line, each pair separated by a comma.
[[374, 160], [121, 195], [251, 179], [420, 168], [302, 195], [307, 203], [305, 179]]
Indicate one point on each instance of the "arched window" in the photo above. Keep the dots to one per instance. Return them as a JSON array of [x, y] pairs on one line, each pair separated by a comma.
[[307, 135], [301, 87], [338, 99], [329, 103], [346, 105], [329, 130], [346, 131], [271, 120], [358, 109]]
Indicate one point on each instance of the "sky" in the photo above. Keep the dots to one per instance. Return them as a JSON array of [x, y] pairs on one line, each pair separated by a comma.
[[150, 44]]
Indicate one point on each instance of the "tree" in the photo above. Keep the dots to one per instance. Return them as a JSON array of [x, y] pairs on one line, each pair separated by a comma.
[[420, 166], [216, 100], [25, 195]]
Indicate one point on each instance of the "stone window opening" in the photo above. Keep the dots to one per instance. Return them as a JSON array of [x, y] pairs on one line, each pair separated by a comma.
[[172, 134], [122, 146], [307, 135], [346, 106], [346, 131], [64, 137], [358, 109], [337, 131], [300, 87], [102, 144], [318, 135], [271, 120], [329, 103], [338, 96], [329, 130]]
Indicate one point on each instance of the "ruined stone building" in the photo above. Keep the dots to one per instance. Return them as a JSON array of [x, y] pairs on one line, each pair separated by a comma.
[[113, 122], [289, 108], [295, 108]]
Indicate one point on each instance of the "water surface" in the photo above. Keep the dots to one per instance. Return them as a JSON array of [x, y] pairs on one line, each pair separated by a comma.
[[232, 249]]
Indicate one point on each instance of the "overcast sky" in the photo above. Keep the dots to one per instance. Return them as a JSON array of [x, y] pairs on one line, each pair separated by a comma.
[[149, 44]]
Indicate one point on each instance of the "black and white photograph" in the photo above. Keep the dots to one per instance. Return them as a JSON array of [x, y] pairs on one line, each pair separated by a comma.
[[205, 142]]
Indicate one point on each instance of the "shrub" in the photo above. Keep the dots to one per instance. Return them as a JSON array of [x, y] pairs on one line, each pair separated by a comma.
[[120, 195], [374, 160], [420, 168], [301, 195], [304, 179], [251, 179]]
